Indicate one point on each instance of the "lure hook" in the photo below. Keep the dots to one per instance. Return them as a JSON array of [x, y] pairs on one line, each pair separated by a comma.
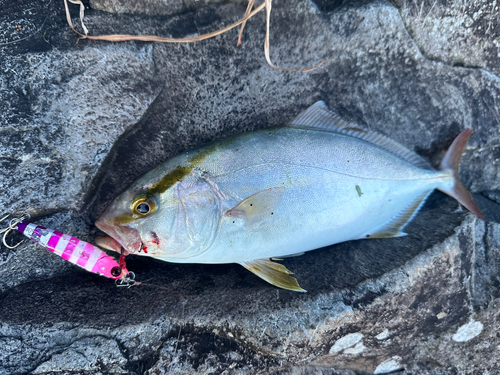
[[127, 281], [4, 239], [2, 220], [12, 225]]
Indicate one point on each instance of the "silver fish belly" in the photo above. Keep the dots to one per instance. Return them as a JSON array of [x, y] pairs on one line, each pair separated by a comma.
[[278, 192]]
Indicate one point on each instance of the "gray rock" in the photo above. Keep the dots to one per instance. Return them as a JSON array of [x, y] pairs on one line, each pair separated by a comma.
[[384, 335], [86, 355], [468, 331], [79, 122], [153, 7], [62, 110], [389, 366], [458, 33], [348, 341]]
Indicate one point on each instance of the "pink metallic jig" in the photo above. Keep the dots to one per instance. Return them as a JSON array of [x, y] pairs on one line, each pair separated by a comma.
[[78, 252]]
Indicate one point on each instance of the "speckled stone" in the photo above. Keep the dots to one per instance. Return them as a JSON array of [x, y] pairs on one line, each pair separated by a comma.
[[468, 331], [154, 7], [389, 366], [345, 342]]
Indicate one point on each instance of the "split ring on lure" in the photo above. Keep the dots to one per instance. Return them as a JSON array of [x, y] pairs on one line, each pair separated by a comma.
[[78, 252]]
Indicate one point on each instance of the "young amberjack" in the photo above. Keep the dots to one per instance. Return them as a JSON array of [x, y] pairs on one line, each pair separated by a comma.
[[278, 192]]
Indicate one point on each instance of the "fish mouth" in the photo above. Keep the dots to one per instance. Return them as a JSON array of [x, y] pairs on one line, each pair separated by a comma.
[[127, 237]]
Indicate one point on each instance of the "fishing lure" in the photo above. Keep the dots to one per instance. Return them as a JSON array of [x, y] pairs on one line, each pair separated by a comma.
[[76, 251]]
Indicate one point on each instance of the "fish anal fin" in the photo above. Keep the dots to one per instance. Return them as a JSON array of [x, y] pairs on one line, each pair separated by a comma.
[[394, 227], [289, 256], [258, 207], [386, 234], [319, 117], [274, 273]]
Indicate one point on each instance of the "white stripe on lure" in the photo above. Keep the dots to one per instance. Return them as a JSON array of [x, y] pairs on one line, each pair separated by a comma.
[[76, 251]]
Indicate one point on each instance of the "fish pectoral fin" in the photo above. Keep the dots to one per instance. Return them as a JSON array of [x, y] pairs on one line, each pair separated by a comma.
[[274, 273], [258, 207], [394, 227]]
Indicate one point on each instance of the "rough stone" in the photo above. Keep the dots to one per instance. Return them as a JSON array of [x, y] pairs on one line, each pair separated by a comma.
[[153, 7], [86, 355], [62, 110], [80, 121], [357, 349], [384, 335], [391, 365], [468, 331], [345, 342], [458, 33], [441, 315]]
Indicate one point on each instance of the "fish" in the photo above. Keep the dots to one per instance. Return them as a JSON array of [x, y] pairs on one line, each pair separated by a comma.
[[278, 192], [76, 251]]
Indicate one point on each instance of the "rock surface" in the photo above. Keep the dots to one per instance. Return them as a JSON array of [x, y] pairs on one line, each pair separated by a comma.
[[153, 7], [80, 121]]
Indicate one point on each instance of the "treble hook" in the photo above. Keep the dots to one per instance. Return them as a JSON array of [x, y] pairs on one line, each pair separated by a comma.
[[1, 220], [7, 230], [127, 281], [12, 225]]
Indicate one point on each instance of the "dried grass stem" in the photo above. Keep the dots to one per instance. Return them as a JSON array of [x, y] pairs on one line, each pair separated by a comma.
[[153, 38]]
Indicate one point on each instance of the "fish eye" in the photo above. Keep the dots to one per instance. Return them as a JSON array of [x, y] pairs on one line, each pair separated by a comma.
[[143, 208], [116, 271], [143, 205]]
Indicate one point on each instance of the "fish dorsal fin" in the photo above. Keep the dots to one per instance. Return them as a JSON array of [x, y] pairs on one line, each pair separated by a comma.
[[274, 273], [258, 207], [319, 117], [394, 227]]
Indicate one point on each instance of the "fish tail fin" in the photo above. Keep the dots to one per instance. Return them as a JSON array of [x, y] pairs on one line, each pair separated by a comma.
[[451, 162]]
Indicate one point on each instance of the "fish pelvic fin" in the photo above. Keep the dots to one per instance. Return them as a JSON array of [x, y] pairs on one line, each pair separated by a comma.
[[451, 161], [274, 273], [395, 226]]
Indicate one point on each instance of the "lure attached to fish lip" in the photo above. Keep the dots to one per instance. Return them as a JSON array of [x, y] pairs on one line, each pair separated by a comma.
[[279, 192], [78, 252]]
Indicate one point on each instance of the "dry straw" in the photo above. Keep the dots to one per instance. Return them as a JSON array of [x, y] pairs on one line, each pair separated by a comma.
[[153, 38]]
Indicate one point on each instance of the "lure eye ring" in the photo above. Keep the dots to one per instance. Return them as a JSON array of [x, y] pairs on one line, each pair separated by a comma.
[[116, 271], [143, 205]]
